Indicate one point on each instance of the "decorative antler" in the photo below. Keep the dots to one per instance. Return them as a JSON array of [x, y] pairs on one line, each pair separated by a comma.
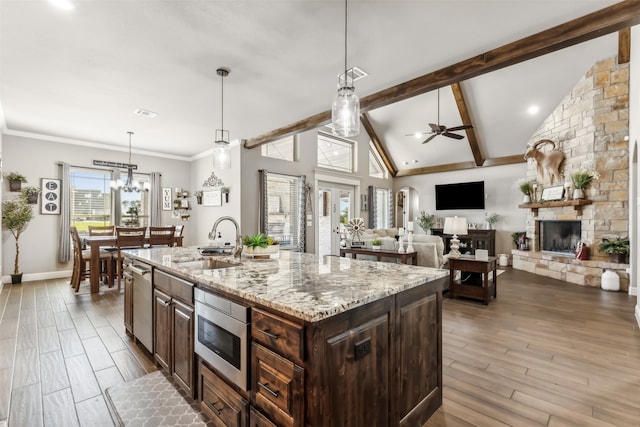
[[544, 141]]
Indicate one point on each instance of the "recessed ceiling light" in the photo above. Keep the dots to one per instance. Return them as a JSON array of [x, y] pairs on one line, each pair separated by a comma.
[[62, 4], [533, 110], [406, 163], [145, 113], [417, 135], [415, 161]]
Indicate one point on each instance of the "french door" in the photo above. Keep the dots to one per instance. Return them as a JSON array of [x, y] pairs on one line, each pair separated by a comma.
[[335, 209]]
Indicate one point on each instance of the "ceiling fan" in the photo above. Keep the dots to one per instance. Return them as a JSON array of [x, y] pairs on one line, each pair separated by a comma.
[[438, 129]]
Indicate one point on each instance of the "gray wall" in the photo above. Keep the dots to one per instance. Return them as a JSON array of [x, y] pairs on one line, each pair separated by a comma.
[[252, 162], [37, 159]]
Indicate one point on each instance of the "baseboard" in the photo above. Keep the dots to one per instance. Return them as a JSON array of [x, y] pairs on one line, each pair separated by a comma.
[[638, 313], [40, 276], [633, 290]]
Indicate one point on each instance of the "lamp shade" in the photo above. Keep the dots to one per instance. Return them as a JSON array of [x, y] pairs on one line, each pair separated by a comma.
[[455, 225]]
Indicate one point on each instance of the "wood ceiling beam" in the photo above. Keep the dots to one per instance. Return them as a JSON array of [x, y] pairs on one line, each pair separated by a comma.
[[466, 120], [596, 24], [451, 167], [386, 159], [624, 46]]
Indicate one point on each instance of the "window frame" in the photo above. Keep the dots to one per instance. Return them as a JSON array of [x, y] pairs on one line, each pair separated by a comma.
[[353, 150]]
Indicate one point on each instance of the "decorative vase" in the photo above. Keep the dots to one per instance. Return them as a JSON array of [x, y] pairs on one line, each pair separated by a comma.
[[199, 199], [226, 197], [578, 193], [376, 247], [526, 199], [257, 252]]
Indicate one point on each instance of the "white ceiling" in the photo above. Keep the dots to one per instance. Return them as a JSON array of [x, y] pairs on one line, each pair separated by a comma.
[[80, 74]]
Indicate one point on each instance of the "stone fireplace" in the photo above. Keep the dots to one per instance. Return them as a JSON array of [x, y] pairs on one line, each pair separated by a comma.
[[589, 126], [558, 237]]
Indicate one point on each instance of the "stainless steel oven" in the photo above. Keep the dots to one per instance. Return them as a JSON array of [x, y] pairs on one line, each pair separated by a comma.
[[222, 335]]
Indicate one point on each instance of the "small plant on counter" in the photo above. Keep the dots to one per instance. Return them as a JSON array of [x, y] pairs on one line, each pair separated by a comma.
[[493, 219], [259, 240], [426, 221], [524, 186], [583, 178], [376, 242]]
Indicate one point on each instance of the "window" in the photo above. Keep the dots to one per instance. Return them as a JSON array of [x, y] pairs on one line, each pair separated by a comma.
[[90, 198], [283, 149], [376, 167], [282, 209], [335, 153], [380, 207], [92, 201]]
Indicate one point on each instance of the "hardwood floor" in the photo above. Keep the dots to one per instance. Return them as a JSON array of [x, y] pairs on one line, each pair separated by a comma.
[[544, 353]]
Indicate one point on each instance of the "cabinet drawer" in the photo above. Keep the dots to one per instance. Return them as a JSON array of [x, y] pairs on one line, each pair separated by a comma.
[[174, 286], [281, 335], [256, 419], [277, 387], [220, 402]]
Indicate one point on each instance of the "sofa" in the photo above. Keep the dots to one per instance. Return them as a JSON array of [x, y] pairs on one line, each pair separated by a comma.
[[430, 248]]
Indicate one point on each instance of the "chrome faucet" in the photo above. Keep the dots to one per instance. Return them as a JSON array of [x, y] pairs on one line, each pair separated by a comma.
[[237, 251]]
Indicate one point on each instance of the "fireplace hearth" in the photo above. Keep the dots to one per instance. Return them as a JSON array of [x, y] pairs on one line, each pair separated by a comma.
[[559, 237]]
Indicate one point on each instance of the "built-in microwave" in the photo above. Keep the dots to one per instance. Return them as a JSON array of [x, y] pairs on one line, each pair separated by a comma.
[[222, 335]]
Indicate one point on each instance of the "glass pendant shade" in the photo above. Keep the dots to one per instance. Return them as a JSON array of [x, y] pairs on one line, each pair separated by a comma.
[[345, 112]]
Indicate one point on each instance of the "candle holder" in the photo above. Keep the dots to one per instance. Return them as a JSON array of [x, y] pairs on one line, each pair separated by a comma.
[[410, 242], [401, 245]]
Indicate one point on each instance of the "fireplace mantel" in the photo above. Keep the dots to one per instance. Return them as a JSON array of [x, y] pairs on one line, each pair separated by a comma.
[[576, 203]]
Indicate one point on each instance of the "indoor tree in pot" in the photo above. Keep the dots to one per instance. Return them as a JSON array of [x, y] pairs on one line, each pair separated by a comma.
[[16, 215], [617, 248]]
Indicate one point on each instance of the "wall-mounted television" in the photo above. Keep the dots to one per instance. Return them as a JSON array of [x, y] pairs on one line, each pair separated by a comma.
[[463, 195]]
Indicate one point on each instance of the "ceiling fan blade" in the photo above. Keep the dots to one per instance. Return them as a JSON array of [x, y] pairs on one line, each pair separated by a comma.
[[435, 127], [417, 133], [430, 138], [453, 135], [462, 127]]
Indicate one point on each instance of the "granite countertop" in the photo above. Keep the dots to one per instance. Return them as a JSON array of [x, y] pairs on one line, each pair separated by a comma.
[[305, 286]]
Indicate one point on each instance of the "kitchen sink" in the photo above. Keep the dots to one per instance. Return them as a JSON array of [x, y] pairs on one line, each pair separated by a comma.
[[206, 264]]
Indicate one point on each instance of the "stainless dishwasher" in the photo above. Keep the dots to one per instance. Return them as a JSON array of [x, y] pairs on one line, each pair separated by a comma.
[[142, 303]]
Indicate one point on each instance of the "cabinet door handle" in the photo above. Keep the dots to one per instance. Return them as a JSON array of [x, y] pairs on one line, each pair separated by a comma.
[[215, 408], [268, 333], [274, 393]]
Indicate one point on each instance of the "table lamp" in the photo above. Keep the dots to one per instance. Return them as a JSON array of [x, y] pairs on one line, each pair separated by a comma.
[[455, 226]]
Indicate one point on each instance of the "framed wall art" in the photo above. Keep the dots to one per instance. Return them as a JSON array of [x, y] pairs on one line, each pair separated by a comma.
[[167, 203], [50, 196], [212, 198], [552, 193]]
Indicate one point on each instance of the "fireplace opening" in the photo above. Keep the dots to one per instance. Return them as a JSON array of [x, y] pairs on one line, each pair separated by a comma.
[[559, 237]]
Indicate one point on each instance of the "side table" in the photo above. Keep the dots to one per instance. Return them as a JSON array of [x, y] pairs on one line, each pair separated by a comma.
[[469, 263]]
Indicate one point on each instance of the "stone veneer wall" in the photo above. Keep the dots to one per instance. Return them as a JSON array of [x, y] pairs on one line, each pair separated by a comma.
[[589, 126]]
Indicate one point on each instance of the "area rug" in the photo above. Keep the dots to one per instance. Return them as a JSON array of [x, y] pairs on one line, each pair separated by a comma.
[[153, 401]]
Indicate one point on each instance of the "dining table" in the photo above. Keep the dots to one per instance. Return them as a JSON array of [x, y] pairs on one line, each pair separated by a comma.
[[97, 242]]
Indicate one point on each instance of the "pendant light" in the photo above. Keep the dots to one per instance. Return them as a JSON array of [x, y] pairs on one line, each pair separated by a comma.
[[345, 110], [221, 157], [130, 185]]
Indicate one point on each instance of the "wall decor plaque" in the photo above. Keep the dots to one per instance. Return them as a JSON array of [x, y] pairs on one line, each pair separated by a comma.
[[50, 196]]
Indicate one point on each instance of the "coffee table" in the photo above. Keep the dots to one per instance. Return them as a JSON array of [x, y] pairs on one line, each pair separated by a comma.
[[379, 253], [470, 264]]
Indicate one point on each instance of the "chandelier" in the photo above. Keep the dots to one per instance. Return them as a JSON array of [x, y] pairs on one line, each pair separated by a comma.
[[130, 185], [345, 110]]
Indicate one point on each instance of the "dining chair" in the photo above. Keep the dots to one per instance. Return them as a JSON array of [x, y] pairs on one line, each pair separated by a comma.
[[162, 236], [127, 238], [81, 262], [102, 230], [179, 230]]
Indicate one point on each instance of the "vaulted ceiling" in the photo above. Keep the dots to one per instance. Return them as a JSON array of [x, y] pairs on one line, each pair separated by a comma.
[[81, 74]]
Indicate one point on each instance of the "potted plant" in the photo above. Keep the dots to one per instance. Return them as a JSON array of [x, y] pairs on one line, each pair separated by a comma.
[[16, 215], [260, 246], [15, 181], [199, 196], [31, 194], [517, 236], [425, 221], [376, 244], [581, 181], [525, 188], [617, 248], [177, 203], [493, 220], [225, 191]]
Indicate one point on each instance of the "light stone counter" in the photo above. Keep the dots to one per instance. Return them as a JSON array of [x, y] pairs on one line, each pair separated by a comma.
[[305, 286]]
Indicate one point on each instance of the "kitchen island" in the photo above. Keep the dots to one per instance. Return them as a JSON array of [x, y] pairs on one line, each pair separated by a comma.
[[333, 341]]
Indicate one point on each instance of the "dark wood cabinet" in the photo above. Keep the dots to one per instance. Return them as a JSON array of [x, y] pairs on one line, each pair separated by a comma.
[[128, 303], [256, 419], [173, 328], [220, 402], [162, 328], [474, 239]]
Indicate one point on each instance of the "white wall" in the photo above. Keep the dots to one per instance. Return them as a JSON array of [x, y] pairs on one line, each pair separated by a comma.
[[36, 159], [634, 185], [203, 217], [501, 197]]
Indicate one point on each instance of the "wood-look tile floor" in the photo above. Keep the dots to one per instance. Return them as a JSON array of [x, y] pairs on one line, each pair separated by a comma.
[[544, 353]]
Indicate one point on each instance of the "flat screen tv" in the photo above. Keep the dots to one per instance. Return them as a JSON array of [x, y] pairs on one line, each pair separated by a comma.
[[463, 195]]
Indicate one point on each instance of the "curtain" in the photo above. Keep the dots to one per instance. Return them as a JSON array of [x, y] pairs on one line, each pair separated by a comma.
[[64, 243], [117, 200], [155, 202]]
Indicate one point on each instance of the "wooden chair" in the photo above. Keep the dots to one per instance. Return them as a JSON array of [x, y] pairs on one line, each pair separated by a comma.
[[127, 238], [102, 230], [81, 262], [179, 230], [162, 236]]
